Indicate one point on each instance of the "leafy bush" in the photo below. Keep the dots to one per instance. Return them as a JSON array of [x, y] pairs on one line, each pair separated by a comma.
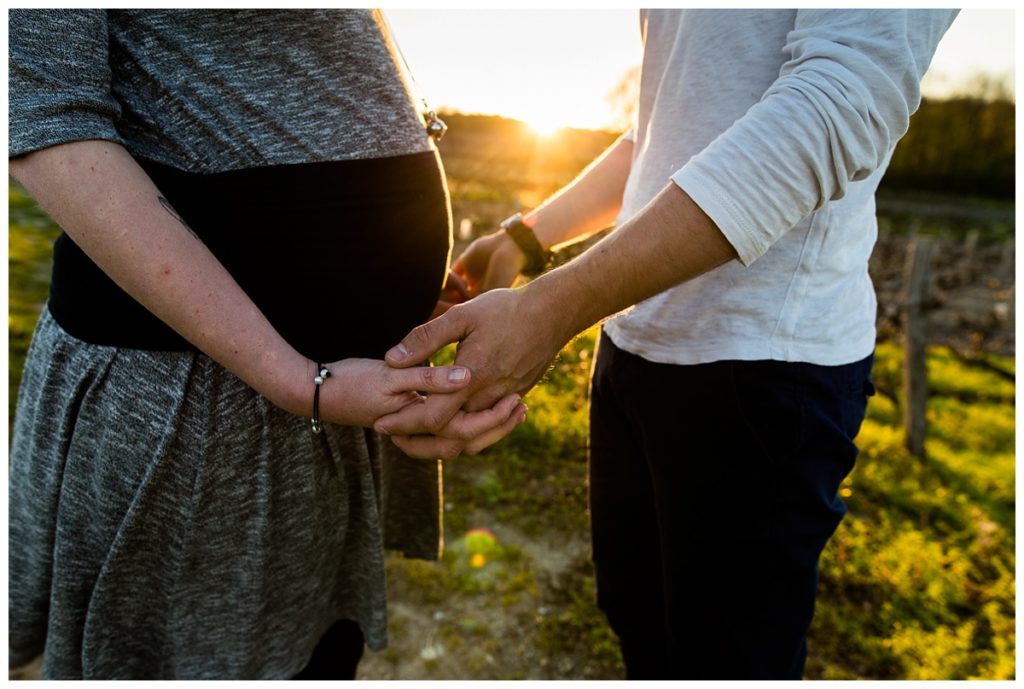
[[918, 582]]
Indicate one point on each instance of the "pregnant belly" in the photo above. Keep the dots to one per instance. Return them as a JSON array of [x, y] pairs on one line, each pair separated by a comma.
[[343, 258]]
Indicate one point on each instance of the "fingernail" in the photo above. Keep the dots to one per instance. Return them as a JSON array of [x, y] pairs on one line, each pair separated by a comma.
[[398, 352], [380, 429], [457, 374], [522, 417]]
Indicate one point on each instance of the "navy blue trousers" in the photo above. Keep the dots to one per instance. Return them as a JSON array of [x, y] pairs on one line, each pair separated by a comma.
[[713, 490]]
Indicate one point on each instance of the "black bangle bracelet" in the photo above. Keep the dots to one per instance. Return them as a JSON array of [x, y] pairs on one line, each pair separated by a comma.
[[319, 379]]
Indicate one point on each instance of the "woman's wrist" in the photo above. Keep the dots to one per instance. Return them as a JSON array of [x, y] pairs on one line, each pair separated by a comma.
[[286, 379]]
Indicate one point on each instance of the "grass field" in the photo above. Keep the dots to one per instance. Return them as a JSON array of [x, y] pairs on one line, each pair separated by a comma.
[[918, 582]]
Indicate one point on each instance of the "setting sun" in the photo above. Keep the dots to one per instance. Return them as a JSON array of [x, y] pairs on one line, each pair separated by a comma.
[[461, 61], [545, 125]]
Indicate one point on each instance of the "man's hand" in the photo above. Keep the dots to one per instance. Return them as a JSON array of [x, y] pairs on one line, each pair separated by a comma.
[[504, 337], [488, 263]]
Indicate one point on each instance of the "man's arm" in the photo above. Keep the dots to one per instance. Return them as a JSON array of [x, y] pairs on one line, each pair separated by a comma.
[[586, 205], [508, 337], [831, 118], [589, 203]]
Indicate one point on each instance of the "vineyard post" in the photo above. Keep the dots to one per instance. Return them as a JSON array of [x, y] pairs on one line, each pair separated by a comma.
[[1006, 264], [967, 259], [915, 375]]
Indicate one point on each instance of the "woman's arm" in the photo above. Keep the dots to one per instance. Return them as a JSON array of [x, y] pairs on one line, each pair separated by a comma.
[[107, 204]]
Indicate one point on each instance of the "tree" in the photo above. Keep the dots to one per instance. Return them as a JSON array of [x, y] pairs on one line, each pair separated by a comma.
[[624, 99]]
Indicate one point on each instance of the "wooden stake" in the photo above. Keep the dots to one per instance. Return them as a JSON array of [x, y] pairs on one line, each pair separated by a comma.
[[966, 261], [915, 377]]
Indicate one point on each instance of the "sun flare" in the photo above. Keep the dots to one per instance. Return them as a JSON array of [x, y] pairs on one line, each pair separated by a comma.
[[545, 125]]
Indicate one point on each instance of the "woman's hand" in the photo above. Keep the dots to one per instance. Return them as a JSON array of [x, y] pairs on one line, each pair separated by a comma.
[[454, 292], [360, 391]]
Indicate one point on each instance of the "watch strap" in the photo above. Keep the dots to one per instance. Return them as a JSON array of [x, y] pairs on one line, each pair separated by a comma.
[[537, 257]]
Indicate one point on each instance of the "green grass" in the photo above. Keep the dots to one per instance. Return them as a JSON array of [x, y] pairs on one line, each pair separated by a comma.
[[918, 582], [30, 246]]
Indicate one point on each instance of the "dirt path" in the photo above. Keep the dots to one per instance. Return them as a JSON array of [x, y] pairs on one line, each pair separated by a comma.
[[525, 613]]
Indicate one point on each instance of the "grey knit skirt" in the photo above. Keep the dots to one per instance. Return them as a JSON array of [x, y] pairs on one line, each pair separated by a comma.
[[166, 521]]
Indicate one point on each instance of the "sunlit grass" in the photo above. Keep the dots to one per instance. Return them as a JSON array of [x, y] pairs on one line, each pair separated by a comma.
[[948, 376], [918, 582], [30, 240]]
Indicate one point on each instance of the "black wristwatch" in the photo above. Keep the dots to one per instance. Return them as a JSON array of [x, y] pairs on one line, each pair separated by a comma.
[[537, 257]]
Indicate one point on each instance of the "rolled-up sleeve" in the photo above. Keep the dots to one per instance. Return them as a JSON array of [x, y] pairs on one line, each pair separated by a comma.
[[59, 81], [841, 102]]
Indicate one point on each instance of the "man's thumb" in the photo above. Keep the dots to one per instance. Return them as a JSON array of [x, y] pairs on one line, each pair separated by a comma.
[[424, 340]]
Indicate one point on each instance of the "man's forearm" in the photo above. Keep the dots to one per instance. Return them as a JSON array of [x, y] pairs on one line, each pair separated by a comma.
[[669, 241], [587, 204]]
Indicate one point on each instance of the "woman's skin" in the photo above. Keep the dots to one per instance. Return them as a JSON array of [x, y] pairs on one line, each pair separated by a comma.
[[107, 204]]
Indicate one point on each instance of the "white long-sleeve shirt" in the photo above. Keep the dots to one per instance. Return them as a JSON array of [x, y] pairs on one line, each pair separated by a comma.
[[779, 124]]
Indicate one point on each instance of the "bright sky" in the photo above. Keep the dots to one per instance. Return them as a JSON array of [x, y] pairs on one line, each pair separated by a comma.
[[555, 67]]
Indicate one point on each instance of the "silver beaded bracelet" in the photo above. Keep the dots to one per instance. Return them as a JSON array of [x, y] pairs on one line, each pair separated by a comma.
[[319, 379]]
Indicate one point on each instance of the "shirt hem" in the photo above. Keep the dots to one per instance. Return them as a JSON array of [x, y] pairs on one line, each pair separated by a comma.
[[686, 352]]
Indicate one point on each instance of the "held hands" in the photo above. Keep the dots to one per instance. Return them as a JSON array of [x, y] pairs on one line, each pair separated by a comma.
[[508, 337], [502, 364], [452, 418], [503, 368], [360, 391]]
